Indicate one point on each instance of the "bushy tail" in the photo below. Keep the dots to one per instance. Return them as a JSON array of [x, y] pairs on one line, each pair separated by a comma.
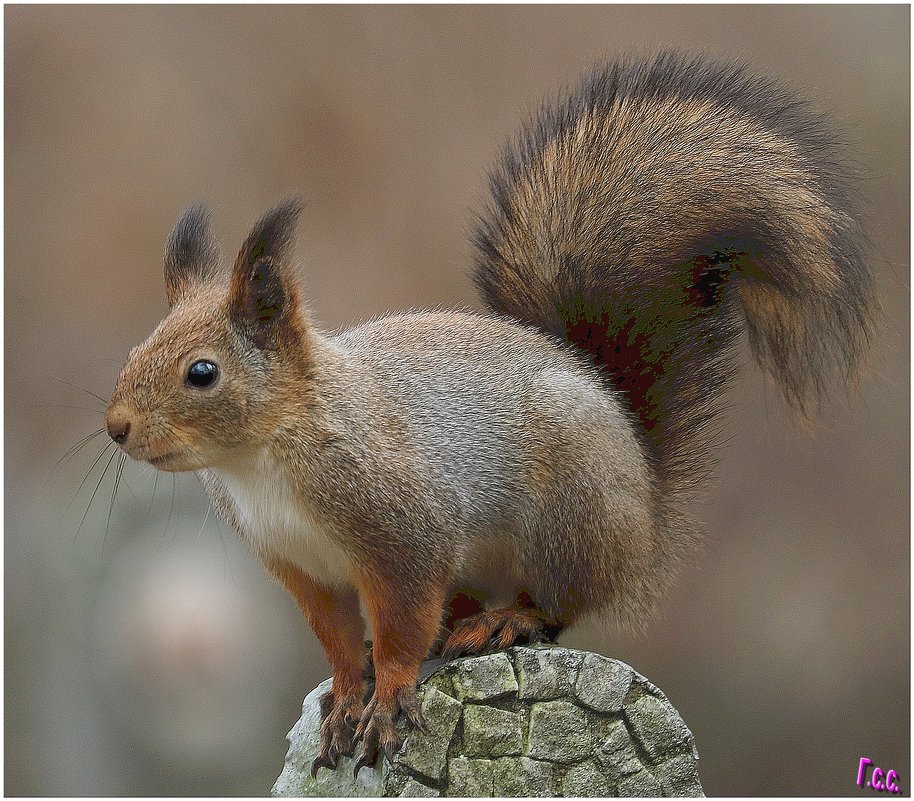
[[658, 210]]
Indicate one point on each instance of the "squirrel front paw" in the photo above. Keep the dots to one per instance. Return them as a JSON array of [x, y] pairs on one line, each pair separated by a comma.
[[339, 716], [377, 728]]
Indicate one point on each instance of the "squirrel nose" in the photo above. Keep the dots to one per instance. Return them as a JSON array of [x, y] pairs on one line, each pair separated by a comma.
[[118, 427]]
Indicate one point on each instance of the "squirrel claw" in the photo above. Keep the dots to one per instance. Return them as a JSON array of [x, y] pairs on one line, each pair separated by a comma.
[[409, 705], [368, 758], [322, 761], [339, 716], [376, 729]]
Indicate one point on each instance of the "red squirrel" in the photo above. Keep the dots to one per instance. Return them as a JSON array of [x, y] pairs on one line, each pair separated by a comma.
[[479, 480]]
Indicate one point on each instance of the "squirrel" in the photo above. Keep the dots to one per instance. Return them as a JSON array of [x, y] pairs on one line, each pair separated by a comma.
[[478, 480]]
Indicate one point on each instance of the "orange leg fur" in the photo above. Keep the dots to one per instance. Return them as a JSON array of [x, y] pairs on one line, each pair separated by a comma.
[[337, 621], [405, 628]]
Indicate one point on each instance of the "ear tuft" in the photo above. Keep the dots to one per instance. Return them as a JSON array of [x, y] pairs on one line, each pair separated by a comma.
[[273, 236], [191, 255], [262, 296]]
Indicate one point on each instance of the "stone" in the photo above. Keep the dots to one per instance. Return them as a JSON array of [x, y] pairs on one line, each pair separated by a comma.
[[586, 780], [491, 732], [641, 785], [441, 681], [426, 753], [602, 683], [483, 678], [497, 732], [617, 754], [521, 777], [414, 789], [546, 673], [657, 726], [679, 776], [470, 778], [559, 732], [304, 739]]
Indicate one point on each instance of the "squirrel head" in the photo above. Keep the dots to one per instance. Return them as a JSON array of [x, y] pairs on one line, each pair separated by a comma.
[[211, 378]]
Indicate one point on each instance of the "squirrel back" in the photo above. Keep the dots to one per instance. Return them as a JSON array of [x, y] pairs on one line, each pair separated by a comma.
[[658, 210]]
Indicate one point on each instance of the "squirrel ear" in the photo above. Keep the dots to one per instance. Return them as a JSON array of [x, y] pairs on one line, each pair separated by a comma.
[[263, 293], [191, 255]]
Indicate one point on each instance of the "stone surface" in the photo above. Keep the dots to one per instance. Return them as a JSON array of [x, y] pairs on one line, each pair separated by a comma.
[[588, 780], [415, 789], [534, 721], [491, 732], [521, 776], [640, 785], [295, 779], [470, 778], [426, 753], [617, 753], [679, 776], [602, 683], [558, 732], [657, 725], [545, 675], [483, 678]]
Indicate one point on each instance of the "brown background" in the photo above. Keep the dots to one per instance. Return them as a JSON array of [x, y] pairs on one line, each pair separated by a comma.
[[157, 657]]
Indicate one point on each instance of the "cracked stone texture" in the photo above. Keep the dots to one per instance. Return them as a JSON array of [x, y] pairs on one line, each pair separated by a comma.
[[534, 721]]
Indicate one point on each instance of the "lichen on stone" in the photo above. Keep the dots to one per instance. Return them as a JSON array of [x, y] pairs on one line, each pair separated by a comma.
[[559, 732], [425, 753], [544, 674], [483, 678], [602, 683], [490, 732]]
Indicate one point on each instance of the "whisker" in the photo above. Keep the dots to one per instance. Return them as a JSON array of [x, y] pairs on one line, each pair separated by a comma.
[[92, 498], [170, 508], [161, 541], [74, 449], [88, 473], [77, 386], [93, 410], [209, 507], [226, 566], [179, 441], [124, 477], [127, 485], [189, 452], [118, 472], [205, 518], [174, 480], [152, 499]]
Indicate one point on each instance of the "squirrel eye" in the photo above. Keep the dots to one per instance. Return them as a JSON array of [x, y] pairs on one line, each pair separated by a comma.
[[202, 374]]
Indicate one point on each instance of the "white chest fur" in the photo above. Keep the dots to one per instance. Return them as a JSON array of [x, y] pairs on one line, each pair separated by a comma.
[[277, 520]]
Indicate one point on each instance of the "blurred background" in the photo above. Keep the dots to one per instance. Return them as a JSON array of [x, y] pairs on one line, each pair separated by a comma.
[[147, 653]]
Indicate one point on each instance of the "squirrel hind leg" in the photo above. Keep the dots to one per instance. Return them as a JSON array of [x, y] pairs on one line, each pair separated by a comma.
[[498, 629], [461, 605]]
